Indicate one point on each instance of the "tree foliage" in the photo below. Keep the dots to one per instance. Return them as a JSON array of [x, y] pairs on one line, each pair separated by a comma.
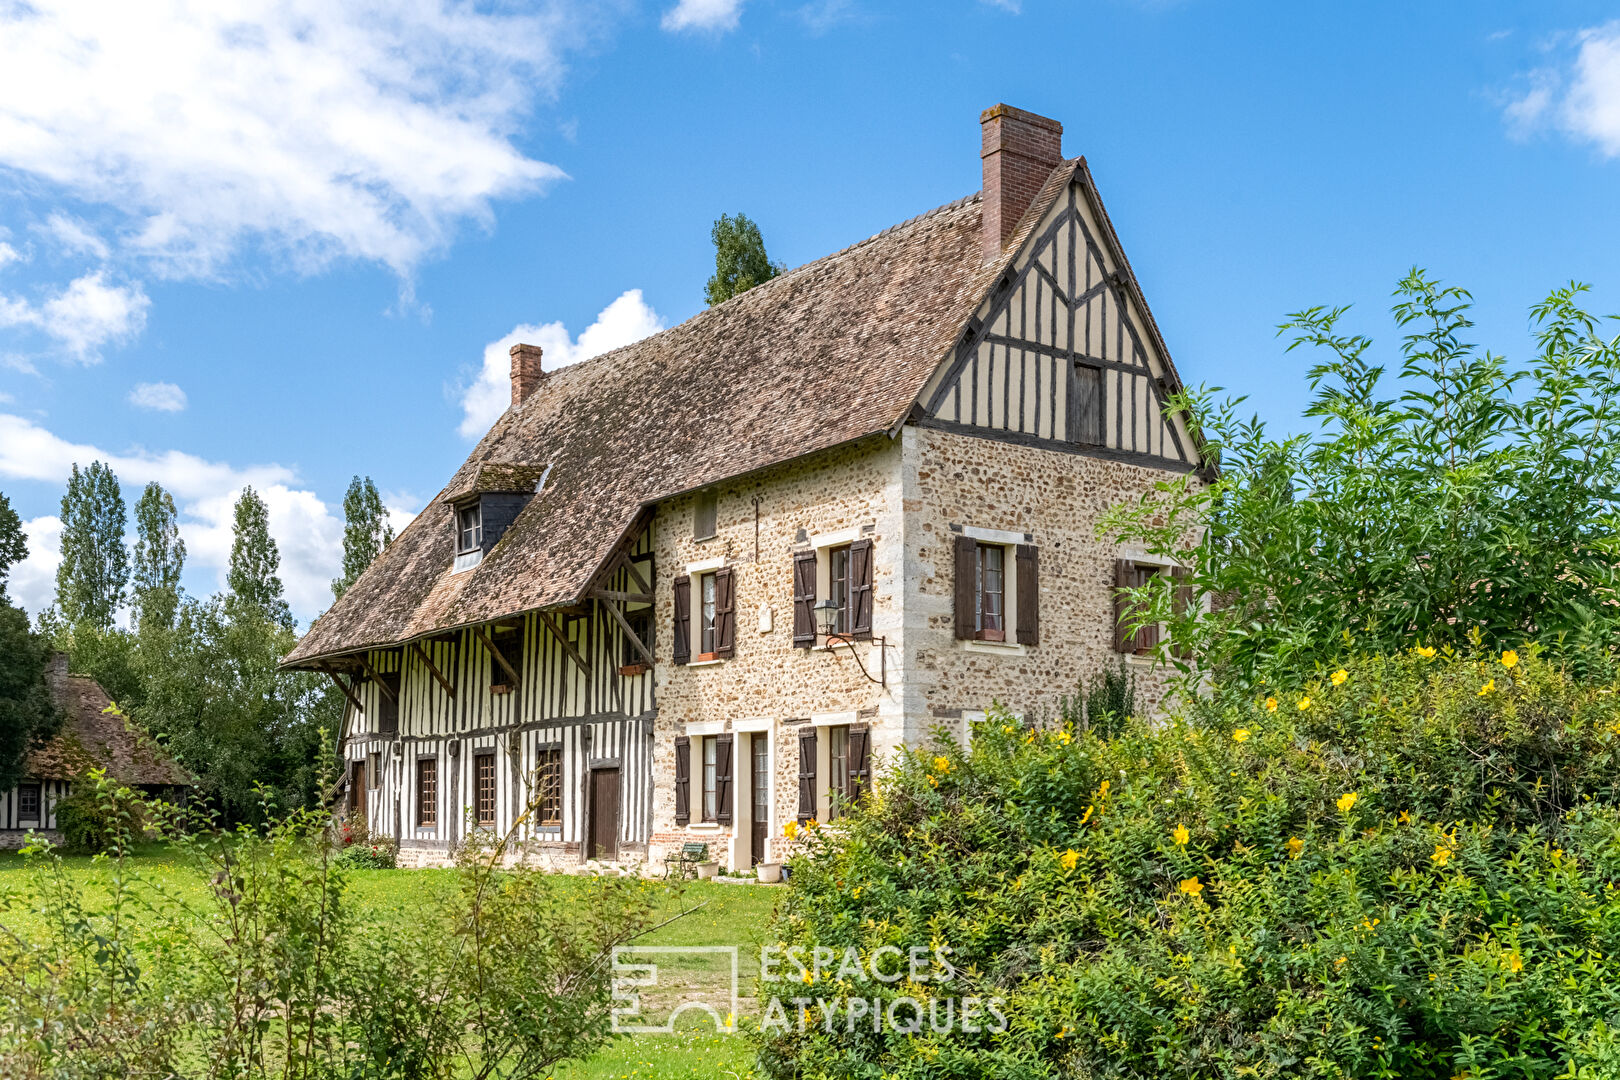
[[254, 580], [366, 532], [740, 261], [94, 572], [160, 558], [1471, 496], [26, 712]]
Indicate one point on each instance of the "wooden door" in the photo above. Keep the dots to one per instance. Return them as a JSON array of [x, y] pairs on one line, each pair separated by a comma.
[[761, 787], [357, 789], [603, 842]]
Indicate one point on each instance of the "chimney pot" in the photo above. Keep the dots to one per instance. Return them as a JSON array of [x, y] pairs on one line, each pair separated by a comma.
[[527, 374], [1020, 150]]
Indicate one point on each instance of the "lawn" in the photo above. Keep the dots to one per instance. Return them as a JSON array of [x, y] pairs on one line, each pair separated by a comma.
[[703, 914]]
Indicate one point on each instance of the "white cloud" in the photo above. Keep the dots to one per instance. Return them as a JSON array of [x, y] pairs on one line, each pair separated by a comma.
[[1581, 97], [625, 320], [74, 236], [160, 396], [367, 131], [715, 15], [8, 254], [33, 581], [82, 318]]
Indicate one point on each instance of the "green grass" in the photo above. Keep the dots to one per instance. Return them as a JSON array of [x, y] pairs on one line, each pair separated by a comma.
[[704, 913]]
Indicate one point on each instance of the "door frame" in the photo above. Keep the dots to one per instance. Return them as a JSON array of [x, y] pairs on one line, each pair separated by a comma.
[[588, 846]]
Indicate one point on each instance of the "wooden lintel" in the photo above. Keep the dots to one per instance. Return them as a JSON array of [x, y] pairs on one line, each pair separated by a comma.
[[433, 668], [376, 678], [344, 690], [568, 646], [624, 625], [623, 597], [496, 653]]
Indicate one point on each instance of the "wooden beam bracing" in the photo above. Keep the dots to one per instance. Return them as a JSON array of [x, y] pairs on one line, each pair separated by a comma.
[[624, 625], [344, 690], [506, 665], [377, 678], [622, 597], [568, 646], [433, 668]]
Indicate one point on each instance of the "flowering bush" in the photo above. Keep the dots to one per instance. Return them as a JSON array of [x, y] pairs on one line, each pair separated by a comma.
[[1407, 871]]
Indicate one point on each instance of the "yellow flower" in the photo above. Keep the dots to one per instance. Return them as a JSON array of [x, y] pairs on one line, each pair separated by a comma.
[[1271, 704], [933, 781], [1192, 886], [790, 830], [1510, 658], [1064, 1033], [1295, 846], [1180, 835], [1490, 684], [1069, 858], [731, 1020], [1515, 962], [1304, 702], [1240, 735], [1063, 737], [1405, 818], [942, 764], [1346, 801], [1442, 855], [1341, 961], [1339, 677], [1425, 651], [855, 894]]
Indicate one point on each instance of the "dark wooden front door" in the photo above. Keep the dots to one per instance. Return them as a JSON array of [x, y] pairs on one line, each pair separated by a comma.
[[357, 789], [604, 837], [761, 788]]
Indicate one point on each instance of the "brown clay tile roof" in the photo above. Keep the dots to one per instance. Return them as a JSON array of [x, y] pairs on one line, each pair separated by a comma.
[[833, 351], [93, 738]]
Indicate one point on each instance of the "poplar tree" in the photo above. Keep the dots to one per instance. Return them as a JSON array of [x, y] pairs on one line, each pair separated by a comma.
[[365, 532], [740, 261], [26, 712], [91, 581], [253, 579], [160, 556]]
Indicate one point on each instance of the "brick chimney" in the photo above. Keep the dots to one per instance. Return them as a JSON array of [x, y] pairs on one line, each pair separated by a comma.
[[527, 375], [1020, 152]]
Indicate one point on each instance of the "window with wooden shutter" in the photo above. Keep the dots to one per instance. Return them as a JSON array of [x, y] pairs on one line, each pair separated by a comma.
[[725, 616], [427, 792], [682, 629], [807, 774], [990, 586], [1029, 595], [837, 771], [860, 589], [705, 515], [388, 703], [723, 785], [804, 599], [1086, 406], [967, 594], [860, 760], [1132, 575], [711, 777], [683, 779]]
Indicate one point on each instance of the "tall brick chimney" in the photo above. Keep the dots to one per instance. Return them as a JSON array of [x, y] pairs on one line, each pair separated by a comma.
[[527, 374], [1020, 152]]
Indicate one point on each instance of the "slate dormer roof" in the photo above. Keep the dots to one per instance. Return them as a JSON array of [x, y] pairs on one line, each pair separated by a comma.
[[834, 351]]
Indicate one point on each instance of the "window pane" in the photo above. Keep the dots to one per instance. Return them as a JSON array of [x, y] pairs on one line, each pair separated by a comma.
[[838, 581], [710, 772], [989, 603], [550, 786], [706, 584], [427, 792], [484, 766], [838, 766]]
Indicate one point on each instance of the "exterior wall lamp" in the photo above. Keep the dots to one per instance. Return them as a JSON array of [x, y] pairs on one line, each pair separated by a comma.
[[827, 612]]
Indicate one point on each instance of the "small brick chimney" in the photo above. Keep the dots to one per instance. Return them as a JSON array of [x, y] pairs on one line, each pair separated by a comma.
[[1020, 151], [527, 374]]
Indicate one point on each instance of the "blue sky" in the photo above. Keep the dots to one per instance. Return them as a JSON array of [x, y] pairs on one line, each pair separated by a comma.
[[273, 243]]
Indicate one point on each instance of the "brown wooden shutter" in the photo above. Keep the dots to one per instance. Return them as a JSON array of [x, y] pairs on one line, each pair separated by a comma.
[[860, 760], [807, 774], [683, 780], [722, 779], [967, 584], [1124, 578], [1184, 602], [388, 711], [804, 599], [725, 615], [860, 589], [1148, 636], [682, 653], [1029, 595], [1087, 426]]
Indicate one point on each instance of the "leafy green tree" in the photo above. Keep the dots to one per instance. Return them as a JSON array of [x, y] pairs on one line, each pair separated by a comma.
[[26, 711], [1471, 498], [740, 261], [94, 572], [254, 578], [160, 556], [365, 532]]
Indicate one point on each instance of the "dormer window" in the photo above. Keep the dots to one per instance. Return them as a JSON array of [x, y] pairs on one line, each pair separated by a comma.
[[469, 535]]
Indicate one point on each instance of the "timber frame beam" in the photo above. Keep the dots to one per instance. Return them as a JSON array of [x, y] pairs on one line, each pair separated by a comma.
[[505, 665], [568, 646], [344, 690], [422, 655], [377, 678], [630, 635]]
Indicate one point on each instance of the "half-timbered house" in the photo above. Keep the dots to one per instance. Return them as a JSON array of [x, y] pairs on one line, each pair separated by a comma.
[[694, 588]]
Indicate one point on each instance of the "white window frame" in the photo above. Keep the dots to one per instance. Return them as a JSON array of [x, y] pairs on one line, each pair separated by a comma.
[[467, 558]]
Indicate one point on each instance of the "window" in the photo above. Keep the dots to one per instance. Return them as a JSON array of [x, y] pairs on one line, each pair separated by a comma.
[[837, 769], [374, 768], [705, 515], [510, 647], [484, 801], [706, 593], [991, 589], [838, 582], [548, 778], [469, 528], [1144, 640], [641, 625], [28, 802], [711, 777], [387, 705], [427, 792]]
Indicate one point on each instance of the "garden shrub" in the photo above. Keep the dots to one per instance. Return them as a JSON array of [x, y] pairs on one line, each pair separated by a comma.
[[1406, 868], [358, 848]]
